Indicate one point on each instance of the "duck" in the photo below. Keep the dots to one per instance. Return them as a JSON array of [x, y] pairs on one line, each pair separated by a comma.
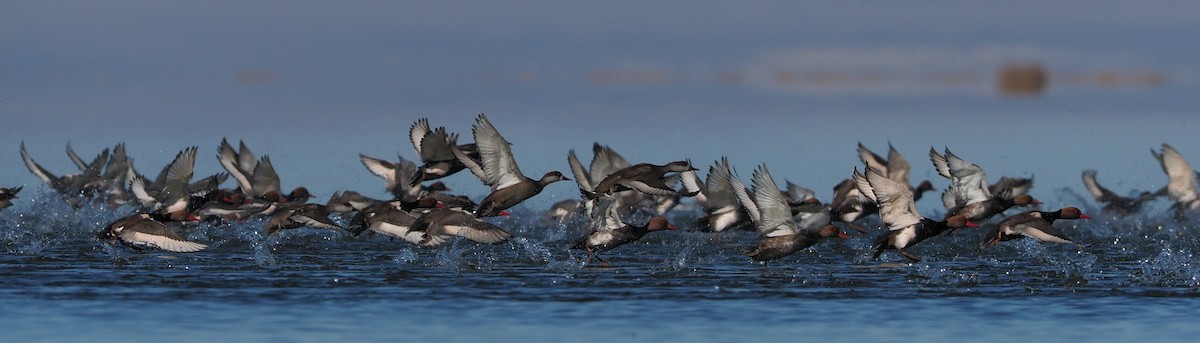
[[895, 167], [115, 178], [300, 215], [172, 190], [498, 169], [605, 161], [242, 165], [1034, 224], [71, 186], [228, 205], [721, 209], [395, 175], [772, 216], [433, 147], [389, 219], [1018, 185], [642, 177], [7, 195], [451, 200], [344, 202], [255, 178], [562, 211], [807, 210], [608, 231], [141, 231], [439, 225], [969, 193], [906, 226], [849, 205], [1115, 204], [1181, 185]]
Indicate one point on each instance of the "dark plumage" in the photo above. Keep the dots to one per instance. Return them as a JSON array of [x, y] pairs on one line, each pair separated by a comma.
[[643, 177], [1035, 224], [1115, 204], [434, 148], [926, 228], [608, 231], [7, 195], [295, 216], [498, 169], [439, 225], [771, 248], [142, 231]]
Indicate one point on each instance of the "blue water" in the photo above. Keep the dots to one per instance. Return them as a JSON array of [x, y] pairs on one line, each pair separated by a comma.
[[1136, 279], [315, 85]]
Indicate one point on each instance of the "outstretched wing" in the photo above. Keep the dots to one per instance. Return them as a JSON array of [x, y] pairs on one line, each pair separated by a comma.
[[1181, 186], [775, 214], [37, 169], [499, 168], [898, 166], [969, 178], [417, 133], [896, 206]]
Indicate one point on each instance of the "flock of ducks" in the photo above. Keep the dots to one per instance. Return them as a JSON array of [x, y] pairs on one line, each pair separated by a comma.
[[612, 191]]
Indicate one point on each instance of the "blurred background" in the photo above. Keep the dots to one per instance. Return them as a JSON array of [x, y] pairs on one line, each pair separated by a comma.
[[1021, 88]]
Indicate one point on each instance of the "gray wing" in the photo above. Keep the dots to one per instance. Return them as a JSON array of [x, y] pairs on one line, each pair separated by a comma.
[[605, 162], [137, 186], [436, 146], [939, 163], [872, 160], [229, 160], [499, 167], [386, 170], [75, 158], [692, 184], [208, 184], [581, 176], [773, 208], [896, 206], [739, 189], [92, 173], [48, 178], [898, 167], [1181, 185], [607, 216], [1089, 182], [1018, 186], [118, 165], [314, 215], [719, 187], [150, 233], [265, 178], [246, 159], [179, 174], [652, 187], [417, 132], [797, 194], [467, 226], [471, 165], [969, 178]]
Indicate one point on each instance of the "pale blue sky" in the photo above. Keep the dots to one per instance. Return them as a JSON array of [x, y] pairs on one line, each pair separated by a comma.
[[315, 83]]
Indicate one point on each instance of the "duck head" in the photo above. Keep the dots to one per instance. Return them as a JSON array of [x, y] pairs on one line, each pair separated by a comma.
[[1072, 213], [959, 221], [552, 177], [679, 166], [832, 231], [659, 223]]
